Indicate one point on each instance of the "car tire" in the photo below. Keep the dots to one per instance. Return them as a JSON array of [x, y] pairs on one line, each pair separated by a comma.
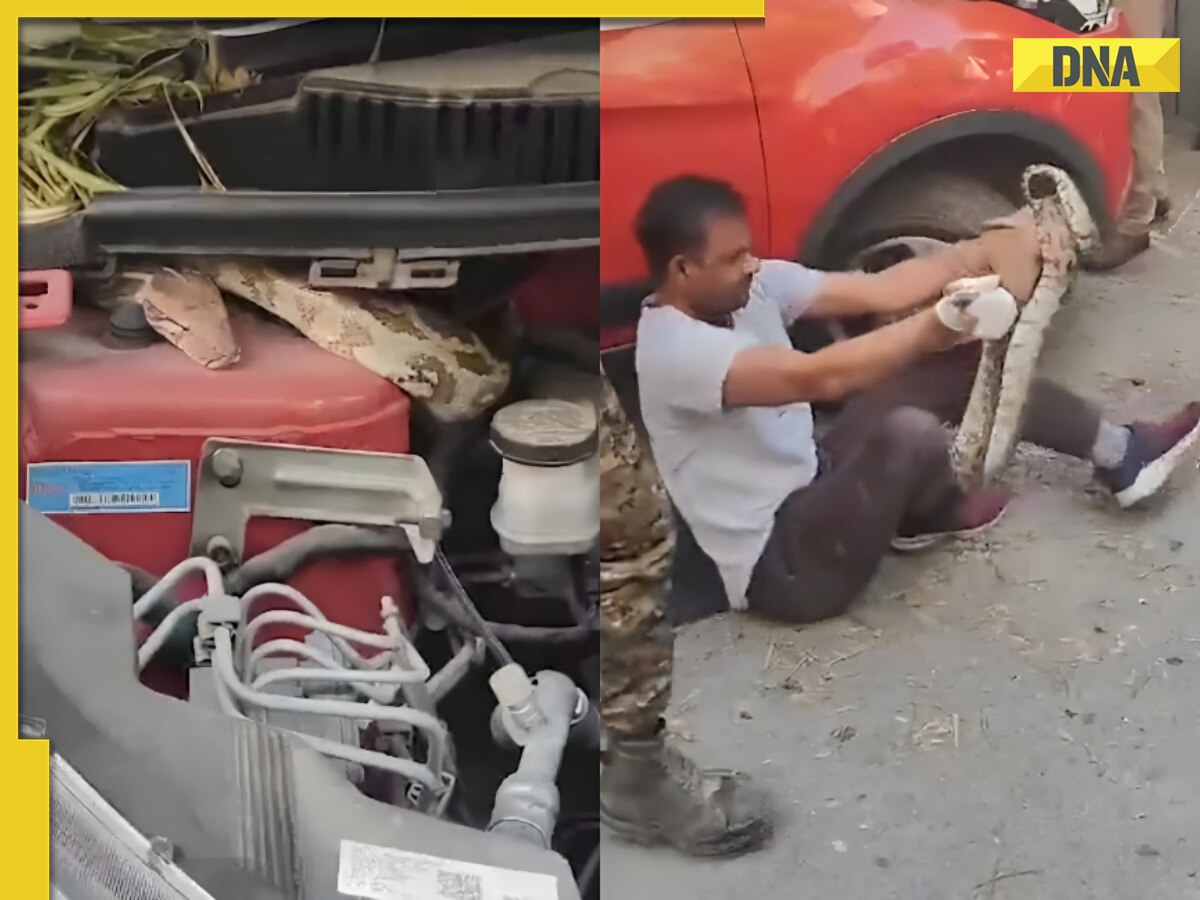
[[909, 211], [927, 204]]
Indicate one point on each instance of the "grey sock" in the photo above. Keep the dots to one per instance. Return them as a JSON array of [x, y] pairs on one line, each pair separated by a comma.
[[1111, 443]]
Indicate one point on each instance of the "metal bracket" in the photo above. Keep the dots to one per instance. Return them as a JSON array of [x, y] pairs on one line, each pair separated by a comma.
[[356, 273], [239, 480], [425, 273], [383, 270]]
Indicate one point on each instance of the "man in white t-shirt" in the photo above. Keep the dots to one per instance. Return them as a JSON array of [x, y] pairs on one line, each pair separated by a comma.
[[795, 526]]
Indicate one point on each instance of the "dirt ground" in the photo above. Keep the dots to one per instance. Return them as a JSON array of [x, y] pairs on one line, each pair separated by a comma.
[[1011, 718]]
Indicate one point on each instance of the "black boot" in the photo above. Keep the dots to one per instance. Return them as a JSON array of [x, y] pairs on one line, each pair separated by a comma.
[[652, 794]]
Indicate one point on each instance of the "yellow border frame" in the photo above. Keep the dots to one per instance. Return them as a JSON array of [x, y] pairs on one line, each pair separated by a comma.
[[26, 764], [475, 9]]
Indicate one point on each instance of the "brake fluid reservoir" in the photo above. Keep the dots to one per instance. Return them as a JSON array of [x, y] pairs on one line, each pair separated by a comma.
[[549, 498]]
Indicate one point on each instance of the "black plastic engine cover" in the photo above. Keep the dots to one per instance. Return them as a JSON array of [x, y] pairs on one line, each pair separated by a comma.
[[505, 115]]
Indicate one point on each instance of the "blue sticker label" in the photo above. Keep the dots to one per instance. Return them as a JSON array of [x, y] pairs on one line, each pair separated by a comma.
[[109, 487]]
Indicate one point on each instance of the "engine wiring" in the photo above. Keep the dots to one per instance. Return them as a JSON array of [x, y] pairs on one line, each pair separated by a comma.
[[366, 699], [242, 675]]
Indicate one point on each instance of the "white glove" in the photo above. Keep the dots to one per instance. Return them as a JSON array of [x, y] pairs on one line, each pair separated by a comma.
[[977, 283], [978, 307]]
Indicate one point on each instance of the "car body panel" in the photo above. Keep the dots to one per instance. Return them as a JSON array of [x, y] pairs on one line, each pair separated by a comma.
[[675, 98], [887, 68]]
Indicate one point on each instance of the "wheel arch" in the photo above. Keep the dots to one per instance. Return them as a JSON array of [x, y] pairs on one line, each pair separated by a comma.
[[994, 144]]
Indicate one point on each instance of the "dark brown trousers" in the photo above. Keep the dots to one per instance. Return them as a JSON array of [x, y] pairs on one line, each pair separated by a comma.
[[885, 470]]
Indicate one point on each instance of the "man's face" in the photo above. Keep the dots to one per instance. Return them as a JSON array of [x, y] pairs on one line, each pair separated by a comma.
[[716, 280]]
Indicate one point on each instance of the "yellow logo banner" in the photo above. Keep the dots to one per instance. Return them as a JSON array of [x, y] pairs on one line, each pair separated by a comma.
[[1117, 66]]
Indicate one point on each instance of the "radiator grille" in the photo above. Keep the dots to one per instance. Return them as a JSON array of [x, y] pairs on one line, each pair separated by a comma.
[[458, 145]]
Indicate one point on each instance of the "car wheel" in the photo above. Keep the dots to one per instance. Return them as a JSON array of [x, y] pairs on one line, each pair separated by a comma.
[[915, 214], [911, 214]]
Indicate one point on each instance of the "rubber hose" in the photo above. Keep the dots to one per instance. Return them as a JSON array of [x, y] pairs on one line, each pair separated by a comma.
[[283, 560]]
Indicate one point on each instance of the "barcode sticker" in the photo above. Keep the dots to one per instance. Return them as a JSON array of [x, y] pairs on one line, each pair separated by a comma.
[[382, 873], [77, 488], [112, 499]]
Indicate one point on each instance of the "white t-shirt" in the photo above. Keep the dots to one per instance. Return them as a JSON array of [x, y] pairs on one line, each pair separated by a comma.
[[727, 470]]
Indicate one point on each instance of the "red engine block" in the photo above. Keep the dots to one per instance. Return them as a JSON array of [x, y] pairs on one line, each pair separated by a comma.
[[84, 401]]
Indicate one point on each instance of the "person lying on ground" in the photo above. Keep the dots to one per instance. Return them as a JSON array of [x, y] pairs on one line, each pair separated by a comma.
[[798, 526]]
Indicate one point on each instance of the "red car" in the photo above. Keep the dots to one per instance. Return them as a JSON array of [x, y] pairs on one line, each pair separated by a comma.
[[858, 130]]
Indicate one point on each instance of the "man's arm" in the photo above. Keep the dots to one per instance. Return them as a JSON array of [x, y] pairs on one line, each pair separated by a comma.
[[899, 288], [775, 376]]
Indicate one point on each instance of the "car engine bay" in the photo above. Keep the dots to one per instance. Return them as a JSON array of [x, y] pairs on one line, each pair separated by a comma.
[[416, 646], [309, 457]]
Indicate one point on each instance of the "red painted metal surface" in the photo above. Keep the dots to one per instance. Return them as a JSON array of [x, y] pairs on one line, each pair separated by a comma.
[[83, 401], [886, 68], [675, 99], [45, 298], [787, 108], [562, 292]]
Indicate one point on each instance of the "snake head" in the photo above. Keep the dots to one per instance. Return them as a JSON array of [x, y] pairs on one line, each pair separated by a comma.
[[1049, 184]]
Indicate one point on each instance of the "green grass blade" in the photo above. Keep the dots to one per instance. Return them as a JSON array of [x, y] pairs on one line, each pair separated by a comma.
[[61, 91], [35, 185], [59, 64], [74, 173]]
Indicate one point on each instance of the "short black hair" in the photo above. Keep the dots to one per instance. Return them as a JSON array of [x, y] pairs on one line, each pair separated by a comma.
[[674, 217]]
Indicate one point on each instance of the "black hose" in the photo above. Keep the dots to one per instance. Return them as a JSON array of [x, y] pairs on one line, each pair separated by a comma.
[[541, 634], [481, 626], [283, 560], [577, 598], [459, 613]]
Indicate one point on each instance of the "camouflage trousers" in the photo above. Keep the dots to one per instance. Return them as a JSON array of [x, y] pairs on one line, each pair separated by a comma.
[[636, 545], [1147, 19]]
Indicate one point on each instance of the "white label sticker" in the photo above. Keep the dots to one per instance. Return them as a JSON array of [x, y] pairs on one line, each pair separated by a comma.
[[381, 873]]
